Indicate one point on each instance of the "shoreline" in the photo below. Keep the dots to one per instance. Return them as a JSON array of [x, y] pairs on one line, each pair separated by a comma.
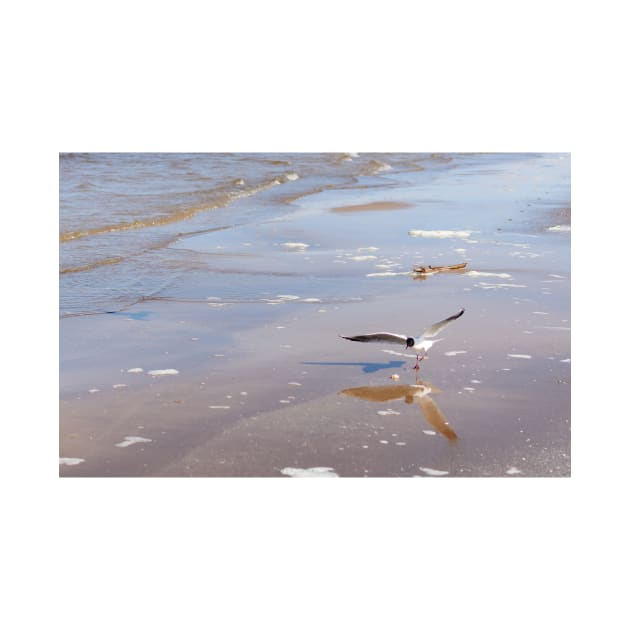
[[259, 373]]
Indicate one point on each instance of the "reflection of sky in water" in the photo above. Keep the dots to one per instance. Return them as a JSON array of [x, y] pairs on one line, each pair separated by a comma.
[[475, 193], [228, 286]]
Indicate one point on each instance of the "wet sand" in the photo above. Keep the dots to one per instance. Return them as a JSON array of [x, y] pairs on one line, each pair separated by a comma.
[[375, 206], [240, 371]]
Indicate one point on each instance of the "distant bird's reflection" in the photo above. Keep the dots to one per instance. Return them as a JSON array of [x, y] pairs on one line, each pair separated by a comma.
[[419, 392]]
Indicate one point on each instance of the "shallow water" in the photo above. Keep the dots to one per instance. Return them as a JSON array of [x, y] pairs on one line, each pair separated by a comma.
[[236, 329], [118, 212]]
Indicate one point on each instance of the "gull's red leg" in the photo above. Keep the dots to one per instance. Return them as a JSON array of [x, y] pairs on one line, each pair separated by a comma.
[[422, 359]]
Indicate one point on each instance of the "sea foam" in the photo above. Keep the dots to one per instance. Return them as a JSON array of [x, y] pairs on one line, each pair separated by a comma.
[[132, 439], [70, 461], [295, 245], [316, 471], [440, 233], [479, 274], [432, 472]]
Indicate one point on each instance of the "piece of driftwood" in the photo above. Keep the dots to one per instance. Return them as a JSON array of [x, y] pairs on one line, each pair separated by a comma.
[[432, 269]]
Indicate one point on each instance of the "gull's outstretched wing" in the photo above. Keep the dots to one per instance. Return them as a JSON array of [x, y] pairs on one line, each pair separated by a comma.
[[380, 337], [436, 328]]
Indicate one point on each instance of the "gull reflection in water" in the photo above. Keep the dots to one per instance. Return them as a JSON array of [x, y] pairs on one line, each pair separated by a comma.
[[419, 392]]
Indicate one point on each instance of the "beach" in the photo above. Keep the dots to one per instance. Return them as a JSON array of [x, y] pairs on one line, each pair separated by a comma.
[[202, 337]]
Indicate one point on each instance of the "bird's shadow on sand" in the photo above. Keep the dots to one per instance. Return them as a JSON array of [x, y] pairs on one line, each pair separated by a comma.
[[368, 368]]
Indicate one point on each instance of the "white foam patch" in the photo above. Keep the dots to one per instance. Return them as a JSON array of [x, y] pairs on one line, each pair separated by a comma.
[[367, 249], [520, 356], [362, 258], [440, 233], [512, 470], [401, 443], [383, 442], [288, 298], [559, 228], [501, 285], [312, 300], [134, 370], [555, 327], [93, 390], [286, 402], [432, 472], [565, 361], [166, 372], [70, 461], [488, 274], [316, 471], [295, 245], [452, 353], [555, 275], [387, 273], [474, 380], [469, 389], [522, 245], [388, 412], [539, 313], [460, 250], [428, 432], [295, 383], [524, 254], [292, 177], [117, 385], [218, 406], [132, 439]]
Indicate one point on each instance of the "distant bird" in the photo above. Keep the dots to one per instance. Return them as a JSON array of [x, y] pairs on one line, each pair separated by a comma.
[[419, 344]]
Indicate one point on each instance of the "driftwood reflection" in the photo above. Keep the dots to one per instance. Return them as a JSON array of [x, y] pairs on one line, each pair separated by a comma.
[[419, 392]]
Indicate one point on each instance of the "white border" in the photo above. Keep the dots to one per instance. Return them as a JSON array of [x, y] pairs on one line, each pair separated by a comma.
[[326, 76]]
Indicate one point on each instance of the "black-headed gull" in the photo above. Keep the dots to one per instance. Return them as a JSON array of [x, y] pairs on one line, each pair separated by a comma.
[[422, 343]]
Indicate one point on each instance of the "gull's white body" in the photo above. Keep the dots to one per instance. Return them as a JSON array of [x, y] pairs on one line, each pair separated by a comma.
[[423, 343]]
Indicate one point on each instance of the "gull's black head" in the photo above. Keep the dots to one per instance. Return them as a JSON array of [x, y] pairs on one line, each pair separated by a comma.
[[410, 342]]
